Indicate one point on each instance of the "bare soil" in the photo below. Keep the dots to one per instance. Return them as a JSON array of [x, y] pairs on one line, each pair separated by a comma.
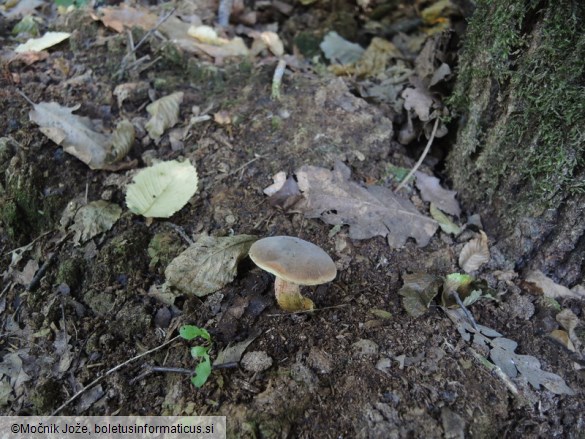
[[324, 381]]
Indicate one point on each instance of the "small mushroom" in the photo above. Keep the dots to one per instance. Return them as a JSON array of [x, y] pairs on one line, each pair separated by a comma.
[[294, 262]]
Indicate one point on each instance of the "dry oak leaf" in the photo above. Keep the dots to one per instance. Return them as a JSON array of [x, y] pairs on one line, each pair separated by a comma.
[[431, 191], [475, 253], [369, 211]]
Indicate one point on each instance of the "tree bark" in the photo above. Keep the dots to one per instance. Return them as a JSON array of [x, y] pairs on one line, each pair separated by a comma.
[[519, 159]]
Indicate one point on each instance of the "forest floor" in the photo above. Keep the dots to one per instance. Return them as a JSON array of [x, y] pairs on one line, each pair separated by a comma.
[[79, 298]]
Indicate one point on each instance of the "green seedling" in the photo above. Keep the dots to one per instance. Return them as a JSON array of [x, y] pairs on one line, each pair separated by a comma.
[[201, 353], [74, 3]]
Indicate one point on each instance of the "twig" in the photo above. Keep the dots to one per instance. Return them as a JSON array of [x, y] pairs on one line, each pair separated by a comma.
[[109, 372], [41, 272], [249, 162], [124, 62], [455, 295], [422, 157]]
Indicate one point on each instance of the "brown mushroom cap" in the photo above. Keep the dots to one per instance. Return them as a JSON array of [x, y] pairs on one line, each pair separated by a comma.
[[293, 260]]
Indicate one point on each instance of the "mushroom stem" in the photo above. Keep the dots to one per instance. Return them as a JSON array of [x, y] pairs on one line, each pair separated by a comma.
[[289, 297]]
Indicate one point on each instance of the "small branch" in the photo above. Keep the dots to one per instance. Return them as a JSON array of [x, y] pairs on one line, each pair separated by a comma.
[[124, 63], [470, 318], [111, 371], [422, 157]]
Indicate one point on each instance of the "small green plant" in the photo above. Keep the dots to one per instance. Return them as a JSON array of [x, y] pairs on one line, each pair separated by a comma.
[[74, 3], [201, 353]]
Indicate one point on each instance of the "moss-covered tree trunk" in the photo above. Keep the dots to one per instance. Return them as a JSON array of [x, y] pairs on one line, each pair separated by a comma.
[[519, 158]]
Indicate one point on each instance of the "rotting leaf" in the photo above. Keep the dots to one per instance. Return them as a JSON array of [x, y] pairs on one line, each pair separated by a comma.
[[503, 355], [162, 189], [431, 191], [444, 221], [165, 114], [233, 352], [209, 264], [475, 253], [94, 218], [470, 290], [418, 291], [338, 49], [369, 211]]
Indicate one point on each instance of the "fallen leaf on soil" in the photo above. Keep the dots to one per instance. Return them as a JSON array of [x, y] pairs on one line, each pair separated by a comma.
[[563, 338], [25, 276], [50, 39], [122, 140], [62, 352], [76, 134], [125, 17], [13, 10], [287, 195], [369, 211], [418, 100], [164, 114], [444, 221], [475, 253], [373, 62], [503, 355], [279, 179], [468, 289], [418, 291], [162, 189], [267, 40], [12, 367], [233, 352], [94, 218], [549, 287], [209, 264], [431, 191], [338, 50]]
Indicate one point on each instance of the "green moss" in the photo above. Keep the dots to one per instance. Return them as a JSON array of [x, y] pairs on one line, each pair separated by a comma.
[[521, 93], [308, 44], [46, 396], [70, 272]]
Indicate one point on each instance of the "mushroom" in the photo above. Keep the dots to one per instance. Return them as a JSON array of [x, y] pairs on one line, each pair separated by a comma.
[[294, 262]]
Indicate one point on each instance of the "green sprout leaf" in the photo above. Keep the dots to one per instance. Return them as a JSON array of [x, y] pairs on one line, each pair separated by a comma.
[[203, 369], [202, 372], [189, 332]]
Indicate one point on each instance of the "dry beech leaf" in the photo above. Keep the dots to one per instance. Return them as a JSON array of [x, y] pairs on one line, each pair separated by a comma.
[[165, 114], [431, 191], [76, 134], [369, 211], [162, 189], [549, 287], [50, 39], [475, 253], [209, 264], [122, 140], [126, 17]]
